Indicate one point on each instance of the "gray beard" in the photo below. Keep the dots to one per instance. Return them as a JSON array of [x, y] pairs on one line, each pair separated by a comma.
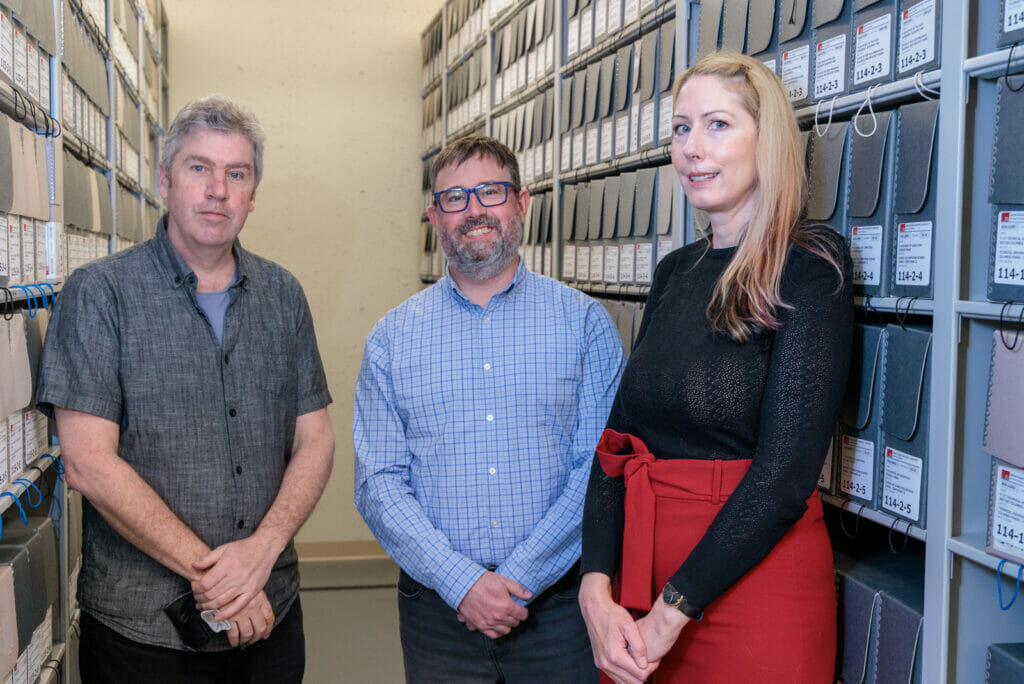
[[483, 265]]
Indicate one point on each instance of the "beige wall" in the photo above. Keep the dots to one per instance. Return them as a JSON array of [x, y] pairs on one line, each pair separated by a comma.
[[336, 85]]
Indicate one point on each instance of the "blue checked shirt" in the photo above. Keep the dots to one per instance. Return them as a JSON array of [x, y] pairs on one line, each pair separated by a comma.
[[475, 429]]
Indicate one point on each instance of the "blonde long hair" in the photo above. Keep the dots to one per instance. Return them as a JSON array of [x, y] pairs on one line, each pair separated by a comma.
[[746, 297]]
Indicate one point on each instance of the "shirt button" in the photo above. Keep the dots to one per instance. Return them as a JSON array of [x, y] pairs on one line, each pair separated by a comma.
[[494, 523], [486, 319], [487, 366], [238, 469], [241, 524], [232, 413], [489, 417], [492, 470]]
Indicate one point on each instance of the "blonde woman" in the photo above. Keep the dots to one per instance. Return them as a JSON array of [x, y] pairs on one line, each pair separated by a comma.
[[705, 557]]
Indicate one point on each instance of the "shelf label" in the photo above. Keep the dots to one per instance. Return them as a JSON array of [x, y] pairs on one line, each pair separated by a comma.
[[582, 263], [872, 53], [568, 261], [549, 53], [528, 168], [917, 36], [825, 477], [857, 469], [664, 248], [586, 29], [1008, 510], [866, 251], [549, 157], [67, 97], [830, 66], [901, 484], [634, 126], [796, 65], [547, 261], [596, 263], [607, 126], [647, 124], [592, 139], [566, 153], [1013, 15], [3, 461], [771, 64], [632, 11], [665, 118], [600, 19], [611, 263], [577, 149], [572, 41], [622, 134], [914, 253], [627, 262], [644, 262], [1009, 262], [6, 46], [28, 250], [20, 52], [614, 15], [16, 441], [5, 270]]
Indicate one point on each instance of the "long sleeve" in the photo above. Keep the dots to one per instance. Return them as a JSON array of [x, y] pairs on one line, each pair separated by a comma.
[[550, 550], [807, 372], [603, 512], [383, 492]]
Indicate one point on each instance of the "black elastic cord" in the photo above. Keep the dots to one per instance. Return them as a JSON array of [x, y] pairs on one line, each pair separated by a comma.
[[1009, 58], [842, 522], [906, 537], [1017, 328]]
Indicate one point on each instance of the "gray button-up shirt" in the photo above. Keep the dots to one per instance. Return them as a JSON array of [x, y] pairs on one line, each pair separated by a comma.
[[210, 428]]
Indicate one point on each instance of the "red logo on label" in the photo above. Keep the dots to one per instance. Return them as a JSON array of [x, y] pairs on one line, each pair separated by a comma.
[[785, 55], [906, 13], [903, 227], [860, 29], [1005, 216], [819, 46], [855, 230], [1006, 474], [888, 452]]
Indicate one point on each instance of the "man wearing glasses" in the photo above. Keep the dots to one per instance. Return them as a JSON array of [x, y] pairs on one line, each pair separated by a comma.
[[477, 409]]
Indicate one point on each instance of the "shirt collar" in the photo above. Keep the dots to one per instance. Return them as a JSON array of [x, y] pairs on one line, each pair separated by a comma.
[[180, 273], [517, 279]]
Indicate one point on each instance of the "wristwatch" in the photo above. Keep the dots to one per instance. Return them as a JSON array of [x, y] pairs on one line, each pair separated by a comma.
[[675, 599]]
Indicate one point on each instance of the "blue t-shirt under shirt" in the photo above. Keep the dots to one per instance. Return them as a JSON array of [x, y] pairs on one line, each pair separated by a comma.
[[214, 304]]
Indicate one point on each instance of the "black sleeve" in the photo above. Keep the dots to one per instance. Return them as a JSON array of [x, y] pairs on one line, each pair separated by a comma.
[[806, 379], [604, 508]]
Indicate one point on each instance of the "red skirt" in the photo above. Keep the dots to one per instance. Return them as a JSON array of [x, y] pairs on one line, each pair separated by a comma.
[[776, 624]]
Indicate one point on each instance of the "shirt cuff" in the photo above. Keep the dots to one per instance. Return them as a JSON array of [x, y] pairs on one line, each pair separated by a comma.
[[458, 580]]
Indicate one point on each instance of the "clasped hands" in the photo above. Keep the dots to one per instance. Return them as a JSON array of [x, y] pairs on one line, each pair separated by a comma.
[[489, 606], [626, 650], [230, 580]]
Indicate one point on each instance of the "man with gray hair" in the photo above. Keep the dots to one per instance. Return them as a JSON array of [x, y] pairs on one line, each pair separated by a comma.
[[190, 402]]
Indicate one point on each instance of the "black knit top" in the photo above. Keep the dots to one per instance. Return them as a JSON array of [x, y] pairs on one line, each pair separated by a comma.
[[690, 393]]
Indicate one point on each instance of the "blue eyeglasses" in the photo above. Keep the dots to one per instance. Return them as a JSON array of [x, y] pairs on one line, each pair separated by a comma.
[[454, 200]]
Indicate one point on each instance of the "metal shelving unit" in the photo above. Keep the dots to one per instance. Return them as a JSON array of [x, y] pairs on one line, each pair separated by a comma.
[[960, 611]]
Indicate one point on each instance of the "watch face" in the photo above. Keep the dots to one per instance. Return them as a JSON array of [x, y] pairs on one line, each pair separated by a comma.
[[671, 596]]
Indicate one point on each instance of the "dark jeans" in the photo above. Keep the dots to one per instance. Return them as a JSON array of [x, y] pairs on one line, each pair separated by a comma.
[[107, 657], [550, 646]]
